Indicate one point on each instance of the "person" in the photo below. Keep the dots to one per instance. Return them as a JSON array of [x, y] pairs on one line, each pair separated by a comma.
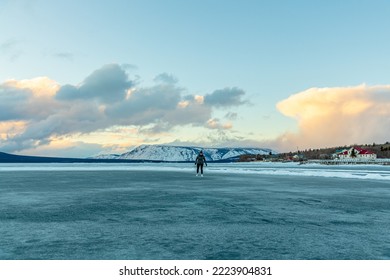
[[199, 161]]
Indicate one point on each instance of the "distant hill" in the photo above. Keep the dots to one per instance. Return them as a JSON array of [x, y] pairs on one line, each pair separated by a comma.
[[183, 153], [10, 158]]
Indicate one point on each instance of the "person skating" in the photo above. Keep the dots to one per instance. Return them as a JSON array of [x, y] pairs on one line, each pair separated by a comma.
[[199, 161]]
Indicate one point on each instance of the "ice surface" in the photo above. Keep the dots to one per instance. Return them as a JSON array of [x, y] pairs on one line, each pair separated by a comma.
[[372, 172], [162, 211]]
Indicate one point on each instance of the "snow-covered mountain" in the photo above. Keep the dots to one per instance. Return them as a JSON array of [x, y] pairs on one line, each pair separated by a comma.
[[180, 153]]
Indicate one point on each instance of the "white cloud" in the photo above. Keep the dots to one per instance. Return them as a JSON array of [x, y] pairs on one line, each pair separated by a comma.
[[329, 117]]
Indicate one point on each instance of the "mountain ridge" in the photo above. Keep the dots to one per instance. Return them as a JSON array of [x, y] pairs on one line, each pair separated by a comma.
[[183, 153], [146, 153]]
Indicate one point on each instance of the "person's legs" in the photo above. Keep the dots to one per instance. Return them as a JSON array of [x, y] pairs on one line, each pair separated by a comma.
[[201, 169], [197, 168]]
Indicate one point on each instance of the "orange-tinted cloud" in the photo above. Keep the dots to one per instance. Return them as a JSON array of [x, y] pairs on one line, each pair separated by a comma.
[[329, 117], [216, 124], [41, 86], [9, 129]]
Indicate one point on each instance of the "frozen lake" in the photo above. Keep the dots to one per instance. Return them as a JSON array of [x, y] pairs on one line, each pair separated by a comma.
[[162, 211]]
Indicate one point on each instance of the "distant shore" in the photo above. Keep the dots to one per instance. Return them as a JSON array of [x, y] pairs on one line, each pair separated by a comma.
[[381, 161]]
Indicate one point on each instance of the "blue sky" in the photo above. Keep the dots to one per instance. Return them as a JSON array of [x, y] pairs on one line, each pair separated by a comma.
[[252, 54]]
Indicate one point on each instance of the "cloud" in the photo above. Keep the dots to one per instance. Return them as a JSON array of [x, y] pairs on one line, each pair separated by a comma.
[[12, 103], [231, 116], [166, 78], [107, 84], [11, 49], [145, 105], [128, 66], [193, 113], [329, 117], [9, 129], [226, 97], [104, 99], [216, 124], [221, 138], [66, 148], [160, 107], [40, 86], [27, 99], [64, 55]]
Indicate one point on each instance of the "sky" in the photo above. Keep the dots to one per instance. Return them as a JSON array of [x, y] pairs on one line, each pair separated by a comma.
[[81, 78]]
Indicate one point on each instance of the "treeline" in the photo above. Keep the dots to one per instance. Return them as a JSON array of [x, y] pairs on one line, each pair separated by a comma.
[[381, 150]]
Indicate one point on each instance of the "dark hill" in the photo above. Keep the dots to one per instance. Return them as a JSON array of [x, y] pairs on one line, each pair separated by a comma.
[[10, 158]]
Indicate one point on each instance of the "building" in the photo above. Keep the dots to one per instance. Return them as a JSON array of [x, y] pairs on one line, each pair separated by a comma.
[[354, 153]]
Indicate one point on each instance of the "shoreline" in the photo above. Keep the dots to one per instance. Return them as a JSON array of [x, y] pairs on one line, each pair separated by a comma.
[[384, 161]]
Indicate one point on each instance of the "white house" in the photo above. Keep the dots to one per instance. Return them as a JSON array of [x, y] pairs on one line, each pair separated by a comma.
[[355, 153]]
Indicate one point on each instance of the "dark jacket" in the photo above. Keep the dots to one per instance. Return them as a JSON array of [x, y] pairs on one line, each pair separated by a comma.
[[200, 159]]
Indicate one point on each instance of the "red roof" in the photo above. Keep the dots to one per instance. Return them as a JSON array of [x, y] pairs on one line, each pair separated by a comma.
[[359, 150], [362, 151]]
